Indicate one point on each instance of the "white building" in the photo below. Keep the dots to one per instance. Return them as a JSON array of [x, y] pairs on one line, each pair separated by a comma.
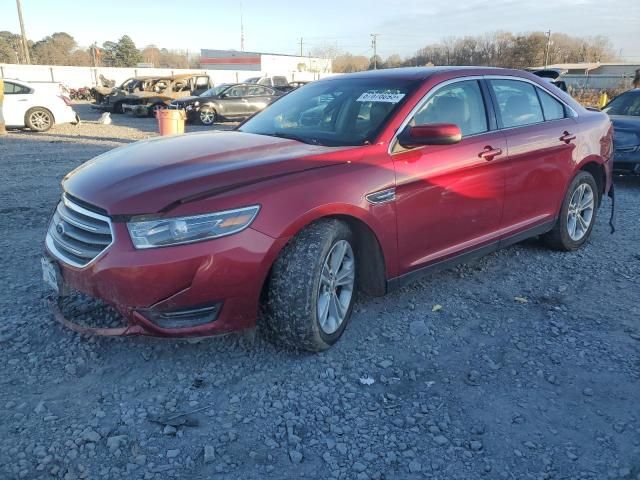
[[266, 64]]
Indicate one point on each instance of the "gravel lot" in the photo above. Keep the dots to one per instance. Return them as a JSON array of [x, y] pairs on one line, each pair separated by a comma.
[[545, 385]]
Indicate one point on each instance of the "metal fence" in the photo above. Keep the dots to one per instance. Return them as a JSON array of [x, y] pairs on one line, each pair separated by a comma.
[[598, 82], [77, 77]]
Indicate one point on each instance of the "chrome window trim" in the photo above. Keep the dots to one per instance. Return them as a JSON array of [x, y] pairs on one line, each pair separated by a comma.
[[59, 255], [427, 96], [438, 86], [573, 115]]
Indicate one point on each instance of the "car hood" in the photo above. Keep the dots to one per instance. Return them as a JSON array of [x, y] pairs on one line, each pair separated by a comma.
[[152, 175], [627, 130], [187, 100], [627, 122]]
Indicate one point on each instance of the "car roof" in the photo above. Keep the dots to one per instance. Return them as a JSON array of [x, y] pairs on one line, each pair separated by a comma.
[[21, 82], [422, 73]]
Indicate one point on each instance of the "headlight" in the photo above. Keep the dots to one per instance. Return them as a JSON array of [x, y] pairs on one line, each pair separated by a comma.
[[189, 107], [196, 103], [179, 230]]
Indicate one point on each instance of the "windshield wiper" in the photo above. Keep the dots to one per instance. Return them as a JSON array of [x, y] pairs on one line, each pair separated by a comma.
[[292, 136]]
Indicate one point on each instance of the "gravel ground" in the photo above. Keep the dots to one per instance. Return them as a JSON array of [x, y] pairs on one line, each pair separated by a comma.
[[522, 365]]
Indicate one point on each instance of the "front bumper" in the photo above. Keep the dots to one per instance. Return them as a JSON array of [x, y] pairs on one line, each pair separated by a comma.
[[145, 285]]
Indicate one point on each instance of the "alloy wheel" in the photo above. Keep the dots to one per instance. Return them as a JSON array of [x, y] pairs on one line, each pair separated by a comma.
[[337, 281], [207, 117], [580, 212]]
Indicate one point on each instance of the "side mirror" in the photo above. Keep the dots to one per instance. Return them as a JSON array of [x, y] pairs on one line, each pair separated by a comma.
[[431, 134]]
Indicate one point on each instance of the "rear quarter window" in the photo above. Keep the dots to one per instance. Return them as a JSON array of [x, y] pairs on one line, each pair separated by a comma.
[[551, 108], [14, 89]]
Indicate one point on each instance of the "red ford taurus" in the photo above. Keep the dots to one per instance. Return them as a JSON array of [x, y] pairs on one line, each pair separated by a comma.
[[362, 181]]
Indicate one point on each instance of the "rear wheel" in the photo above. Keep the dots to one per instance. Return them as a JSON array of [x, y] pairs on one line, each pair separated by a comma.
[[312, 287], [39, 119], [577, 215]]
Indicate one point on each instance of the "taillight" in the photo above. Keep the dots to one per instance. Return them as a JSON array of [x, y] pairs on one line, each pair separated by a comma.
[[66, 100]]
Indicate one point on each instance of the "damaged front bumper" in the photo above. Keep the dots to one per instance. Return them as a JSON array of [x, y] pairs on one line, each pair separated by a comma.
[[195, 290]]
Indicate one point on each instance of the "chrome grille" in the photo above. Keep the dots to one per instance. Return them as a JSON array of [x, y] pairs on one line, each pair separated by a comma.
[[77, 235]]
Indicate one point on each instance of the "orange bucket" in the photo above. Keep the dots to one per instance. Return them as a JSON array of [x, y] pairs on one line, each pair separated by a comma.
[[170, 122]]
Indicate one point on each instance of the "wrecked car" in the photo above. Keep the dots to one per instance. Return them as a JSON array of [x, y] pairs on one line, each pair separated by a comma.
[[111, 99], [402, 172], [160, 92]]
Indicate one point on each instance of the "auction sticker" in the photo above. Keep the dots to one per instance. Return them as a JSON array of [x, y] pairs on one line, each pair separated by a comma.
[[380, 97]]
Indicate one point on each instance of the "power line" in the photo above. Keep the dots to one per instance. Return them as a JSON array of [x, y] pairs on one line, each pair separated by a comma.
[[25, 45], [546, 53], [374, 44], [241, 30]]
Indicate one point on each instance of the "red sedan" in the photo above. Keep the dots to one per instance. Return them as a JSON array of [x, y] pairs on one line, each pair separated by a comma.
[[363, 181]]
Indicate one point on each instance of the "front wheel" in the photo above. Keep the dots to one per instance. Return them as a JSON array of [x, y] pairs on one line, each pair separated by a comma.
[[577, 215], [312, 287], [207, 116]]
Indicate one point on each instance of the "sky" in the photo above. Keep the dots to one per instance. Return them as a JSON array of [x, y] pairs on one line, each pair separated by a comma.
[[277, 25]]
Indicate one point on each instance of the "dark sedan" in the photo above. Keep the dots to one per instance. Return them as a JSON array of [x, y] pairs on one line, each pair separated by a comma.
[[226, 102], [624, 111]]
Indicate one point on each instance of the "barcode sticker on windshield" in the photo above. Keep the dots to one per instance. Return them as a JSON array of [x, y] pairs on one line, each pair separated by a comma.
[[380, 97]]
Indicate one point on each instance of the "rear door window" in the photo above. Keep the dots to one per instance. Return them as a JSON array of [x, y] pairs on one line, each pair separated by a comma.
[[236, 92], [518, 104], [258, 90]]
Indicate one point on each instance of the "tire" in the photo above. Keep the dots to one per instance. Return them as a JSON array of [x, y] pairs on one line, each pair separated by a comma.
[[39, 119], [117, 107], [568, 235], [207, 115], [296, 292]]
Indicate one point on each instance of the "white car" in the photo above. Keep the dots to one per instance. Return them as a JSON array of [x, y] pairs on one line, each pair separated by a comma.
[[35, 106]]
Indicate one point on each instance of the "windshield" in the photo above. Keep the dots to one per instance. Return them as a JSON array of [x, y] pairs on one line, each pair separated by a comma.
[[346, 111], [212, 92], [625, 104]]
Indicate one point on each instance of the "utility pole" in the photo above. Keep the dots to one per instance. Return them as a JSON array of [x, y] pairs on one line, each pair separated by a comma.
[[301, 54], [374, 45], [25, 45], [241, 30], [546, 53]]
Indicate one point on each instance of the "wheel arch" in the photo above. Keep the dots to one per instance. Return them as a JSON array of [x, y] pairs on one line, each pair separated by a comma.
[[597, 170], [371, 268]]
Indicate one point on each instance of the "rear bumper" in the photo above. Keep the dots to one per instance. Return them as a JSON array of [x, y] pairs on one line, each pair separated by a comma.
[[152, 289], [66, 115]]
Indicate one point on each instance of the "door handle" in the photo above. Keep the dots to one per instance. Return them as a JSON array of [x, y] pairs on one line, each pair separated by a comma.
[[489, 153], [23, 100], [567, 137]]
